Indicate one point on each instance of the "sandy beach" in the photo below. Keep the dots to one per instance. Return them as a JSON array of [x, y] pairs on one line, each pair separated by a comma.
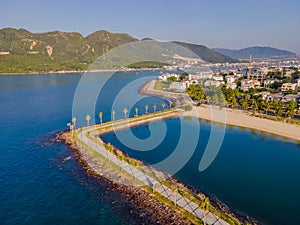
[[241, 119], [231, 117]]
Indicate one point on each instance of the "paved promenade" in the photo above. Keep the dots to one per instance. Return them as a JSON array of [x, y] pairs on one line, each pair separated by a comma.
[[143, 178]]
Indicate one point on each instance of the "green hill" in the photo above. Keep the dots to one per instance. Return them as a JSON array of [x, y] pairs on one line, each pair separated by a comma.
[[207, 54], [22, 51]]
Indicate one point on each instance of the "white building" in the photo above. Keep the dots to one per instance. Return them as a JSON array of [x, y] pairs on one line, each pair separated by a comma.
[[218, 78], [178, 86], [230, 79], [201, 76], [165, 76], [210, 83], [231, 85], [247, 84], [288, 86], [265, 95]]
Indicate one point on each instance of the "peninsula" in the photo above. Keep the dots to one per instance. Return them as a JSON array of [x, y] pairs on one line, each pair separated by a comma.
[[183, 205]]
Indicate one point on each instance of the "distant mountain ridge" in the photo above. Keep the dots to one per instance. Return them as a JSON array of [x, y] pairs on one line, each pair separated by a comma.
[[22, 51], [256, 52], [207, 54]]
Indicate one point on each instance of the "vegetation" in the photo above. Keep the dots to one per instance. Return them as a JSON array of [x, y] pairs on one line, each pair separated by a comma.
[[26, 52], [54, 51], [161, 85], [247, 101], [147, 64], [207, 54], [177, 187]]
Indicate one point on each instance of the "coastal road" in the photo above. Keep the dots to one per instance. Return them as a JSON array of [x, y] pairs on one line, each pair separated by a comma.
[[140, 176]]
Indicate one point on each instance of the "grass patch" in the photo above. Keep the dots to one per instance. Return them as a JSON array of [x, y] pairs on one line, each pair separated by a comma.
[[161, 85]]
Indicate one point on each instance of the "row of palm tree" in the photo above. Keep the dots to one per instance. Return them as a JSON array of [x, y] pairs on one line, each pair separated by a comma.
[[246, 101], [113, 113], [279, 108]]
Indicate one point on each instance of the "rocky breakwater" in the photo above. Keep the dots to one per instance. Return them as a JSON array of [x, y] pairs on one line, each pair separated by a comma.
[[139, 202]]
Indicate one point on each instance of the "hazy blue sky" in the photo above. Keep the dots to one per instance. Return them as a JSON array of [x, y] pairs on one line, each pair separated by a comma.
[[215, 23]]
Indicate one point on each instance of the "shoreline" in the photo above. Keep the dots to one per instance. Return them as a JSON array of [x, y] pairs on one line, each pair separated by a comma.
[[140, 203], [240, 119], [116, 179], [237, 118], [140, 197], [81, 71]]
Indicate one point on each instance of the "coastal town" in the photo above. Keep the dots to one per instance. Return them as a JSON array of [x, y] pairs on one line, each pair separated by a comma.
[[252, 85]]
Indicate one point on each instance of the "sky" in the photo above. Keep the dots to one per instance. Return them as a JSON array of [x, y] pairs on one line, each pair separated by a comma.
[[233, 24]]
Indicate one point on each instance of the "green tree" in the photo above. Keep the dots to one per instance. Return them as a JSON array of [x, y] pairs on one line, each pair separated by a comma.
[[154, 107], [244, 104], [278, 107], [146, 108], [254, 105], [267, 106], [196, 92], [290, 109], [234, 103], [205, 204], [172, 79], [87, 118]]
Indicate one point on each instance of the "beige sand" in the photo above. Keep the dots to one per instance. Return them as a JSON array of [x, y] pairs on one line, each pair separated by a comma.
[[240, 118]]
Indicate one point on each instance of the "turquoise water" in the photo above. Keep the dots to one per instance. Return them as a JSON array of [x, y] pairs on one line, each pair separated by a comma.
[[256, 174]]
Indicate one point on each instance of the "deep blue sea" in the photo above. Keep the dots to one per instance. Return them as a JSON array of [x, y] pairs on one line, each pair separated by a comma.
[[254, 173]]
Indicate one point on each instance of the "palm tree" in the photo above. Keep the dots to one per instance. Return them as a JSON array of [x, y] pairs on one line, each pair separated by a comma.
[[146, 108], [154, 107], [205, 204], [163, 105], [87, 118], [100, 116], [69, 125], [208, 99], [247, 97], [278, 108], [254, 105], [136, 112], [72, 129], [290, 110], [244, 104], [113, 113], [267, 106], [125, 111], [74, 122], [234, 103]]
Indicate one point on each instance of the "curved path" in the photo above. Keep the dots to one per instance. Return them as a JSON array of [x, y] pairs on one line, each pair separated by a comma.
[[138, 175]]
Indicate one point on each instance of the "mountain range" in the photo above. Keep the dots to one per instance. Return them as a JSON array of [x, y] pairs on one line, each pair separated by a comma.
[[22, 51], [256, 52]]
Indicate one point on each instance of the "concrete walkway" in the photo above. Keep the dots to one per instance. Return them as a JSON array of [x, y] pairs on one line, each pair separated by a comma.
[[138, 175]]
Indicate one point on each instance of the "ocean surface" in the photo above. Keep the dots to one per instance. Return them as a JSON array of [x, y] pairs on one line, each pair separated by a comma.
[[254, 173]]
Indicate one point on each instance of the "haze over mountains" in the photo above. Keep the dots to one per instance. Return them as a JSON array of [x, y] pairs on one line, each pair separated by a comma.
[[256, 52], [22, 51]]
